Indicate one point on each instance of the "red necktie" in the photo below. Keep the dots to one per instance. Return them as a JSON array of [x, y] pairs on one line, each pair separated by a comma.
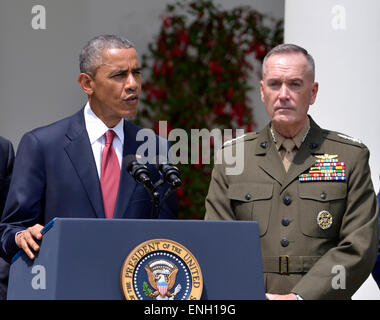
[[110, 175]]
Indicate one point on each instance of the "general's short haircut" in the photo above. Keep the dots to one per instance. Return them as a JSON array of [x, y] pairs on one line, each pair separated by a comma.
[[290, 48], [90, 57]]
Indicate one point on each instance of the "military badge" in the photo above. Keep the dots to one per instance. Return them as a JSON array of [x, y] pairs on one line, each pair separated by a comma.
[[324, 219], [327, 167], [161, 269]]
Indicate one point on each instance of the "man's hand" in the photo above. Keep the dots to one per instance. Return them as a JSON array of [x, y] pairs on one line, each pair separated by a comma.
[[290, 296], [25, 240]]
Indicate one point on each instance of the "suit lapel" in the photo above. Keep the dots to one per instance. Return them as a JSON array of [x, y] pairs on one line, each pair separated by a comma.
[[80, 153], [127, 184]]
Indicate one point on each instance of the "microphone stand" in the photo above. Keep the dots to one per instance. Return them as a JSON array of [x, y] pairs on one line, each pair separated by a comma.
[[155, 199], [141, 174], [154, 196]]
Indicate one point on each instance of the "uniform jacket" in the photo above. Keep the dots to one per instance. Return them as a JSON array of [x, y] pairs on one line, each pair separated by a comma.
[[55, 176], [298, 255]]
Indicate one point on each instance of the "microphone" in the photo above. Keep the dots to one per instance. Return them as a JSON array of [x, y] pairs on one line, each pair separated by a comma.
[[138, 171], [170, 174]]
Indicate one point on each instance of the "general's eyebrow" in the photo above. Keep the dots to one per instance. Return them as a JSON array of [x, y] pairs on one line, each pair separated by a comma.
[[296, 80], [288, 80]]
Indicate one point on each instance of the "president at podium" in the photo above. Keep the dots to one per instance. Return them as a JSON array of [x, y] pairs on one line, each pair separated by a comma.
[[72, 168]]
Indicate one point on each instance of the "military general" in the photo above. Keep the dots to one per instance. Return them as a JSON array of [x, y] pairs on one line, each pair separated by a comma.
[[309, 189]]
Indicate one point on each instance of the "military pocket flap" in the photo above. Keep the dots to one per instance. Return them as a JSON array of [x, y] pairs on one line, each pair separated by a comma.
[[247, 192], [322, 191]]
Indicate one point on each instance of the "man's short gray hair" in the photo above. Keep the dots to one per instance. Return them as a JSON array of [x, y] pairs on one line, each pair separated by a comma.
[[290, 48], [90, 57]]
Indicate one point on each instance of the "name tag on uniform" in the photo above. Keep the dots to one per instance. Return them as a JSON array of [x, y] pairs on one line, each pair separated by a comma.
[[326, 168]]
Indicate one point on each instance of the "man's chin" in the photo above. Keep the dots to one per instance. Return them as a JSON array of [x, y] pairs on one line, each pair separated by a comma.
[[130, 114], [283, 120]]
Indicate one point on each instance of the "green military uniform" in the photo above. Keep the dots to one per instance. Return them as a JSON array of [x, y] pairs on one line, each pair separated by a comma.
[[318, 237]]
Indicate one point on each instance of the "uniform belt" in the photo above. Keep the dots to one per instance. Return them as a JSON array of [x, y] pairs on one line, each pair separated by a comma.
[[288, 264]]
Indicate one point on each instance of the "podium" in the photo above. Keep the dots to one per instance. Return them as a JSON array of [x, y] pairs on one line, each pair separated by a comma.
[[84, 258]]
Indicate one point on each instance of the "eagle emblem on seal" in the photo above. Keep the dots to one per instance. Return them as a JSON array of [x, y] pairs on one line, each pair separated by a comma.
[[162, 276]]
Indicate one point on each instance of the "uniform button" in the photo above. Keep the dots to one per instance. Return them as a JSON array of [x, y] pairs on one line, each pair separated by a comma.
[[323, 195], [284, 242], [287, 200], [248, 196], [285, 222], [264, 144], [313, 145]]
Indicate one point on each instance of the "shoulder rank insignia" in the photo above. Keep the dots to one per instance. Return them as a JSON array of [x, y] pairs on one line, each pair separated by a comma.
[[229, 142], [327, 167], [349, 138]]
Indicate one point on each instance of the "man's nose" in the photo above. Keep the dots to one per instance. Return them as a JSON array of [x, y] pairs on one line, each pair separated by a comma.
[[131, 83], [284, 93]]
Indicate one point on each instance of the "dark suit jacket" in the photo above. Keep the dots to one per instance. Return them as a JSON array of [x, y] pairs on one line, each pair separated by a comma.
[[6, 165], [55, 176]]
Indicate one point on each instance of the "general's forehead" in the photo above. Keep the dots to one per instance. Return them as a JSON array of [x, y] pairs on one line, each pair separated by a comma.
[[288, 63]]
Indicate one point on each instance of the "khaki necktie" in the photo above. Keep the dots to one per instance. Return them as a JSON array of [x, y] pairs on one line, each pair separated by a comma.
[[289, 146]]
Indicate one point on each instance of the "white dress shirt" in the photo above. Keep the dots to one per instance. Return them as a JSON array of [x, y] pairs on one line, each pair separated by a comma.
[[96, 130]]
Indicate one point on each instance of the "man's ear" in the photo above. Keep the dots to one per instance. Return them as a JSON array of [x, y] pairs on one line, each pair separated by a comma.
[[262, 90], [314, 92], [86, 83]]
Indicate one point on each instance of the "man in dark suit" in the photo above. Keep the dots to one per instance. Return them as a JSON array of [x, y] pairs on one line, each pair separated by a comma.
[[71, 168], [6, 165]]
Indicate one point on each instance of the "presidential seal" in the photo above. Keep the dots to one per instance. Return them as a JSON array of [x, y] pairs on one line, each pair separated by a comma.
[[161, 269], [324, 219]]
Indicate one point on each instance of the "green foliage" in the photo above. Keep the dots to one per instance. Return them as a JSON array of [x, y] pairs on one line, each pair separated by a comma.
[[196, 76]]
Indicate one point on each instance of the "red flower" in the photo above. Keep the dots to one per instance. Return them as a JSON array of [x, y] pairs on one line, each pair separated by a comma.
[[211, 44], [215, 67], [180, 192], [218, 108], [156, 69], [238, 107], [230, 93], [177, 51], [260, 51], [184, 37], [158, 93], [166, 22]]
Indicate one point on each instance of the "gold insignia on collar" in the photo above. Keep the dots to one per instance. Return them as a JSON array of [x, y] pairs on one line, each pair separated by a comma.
[[324, 219]]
